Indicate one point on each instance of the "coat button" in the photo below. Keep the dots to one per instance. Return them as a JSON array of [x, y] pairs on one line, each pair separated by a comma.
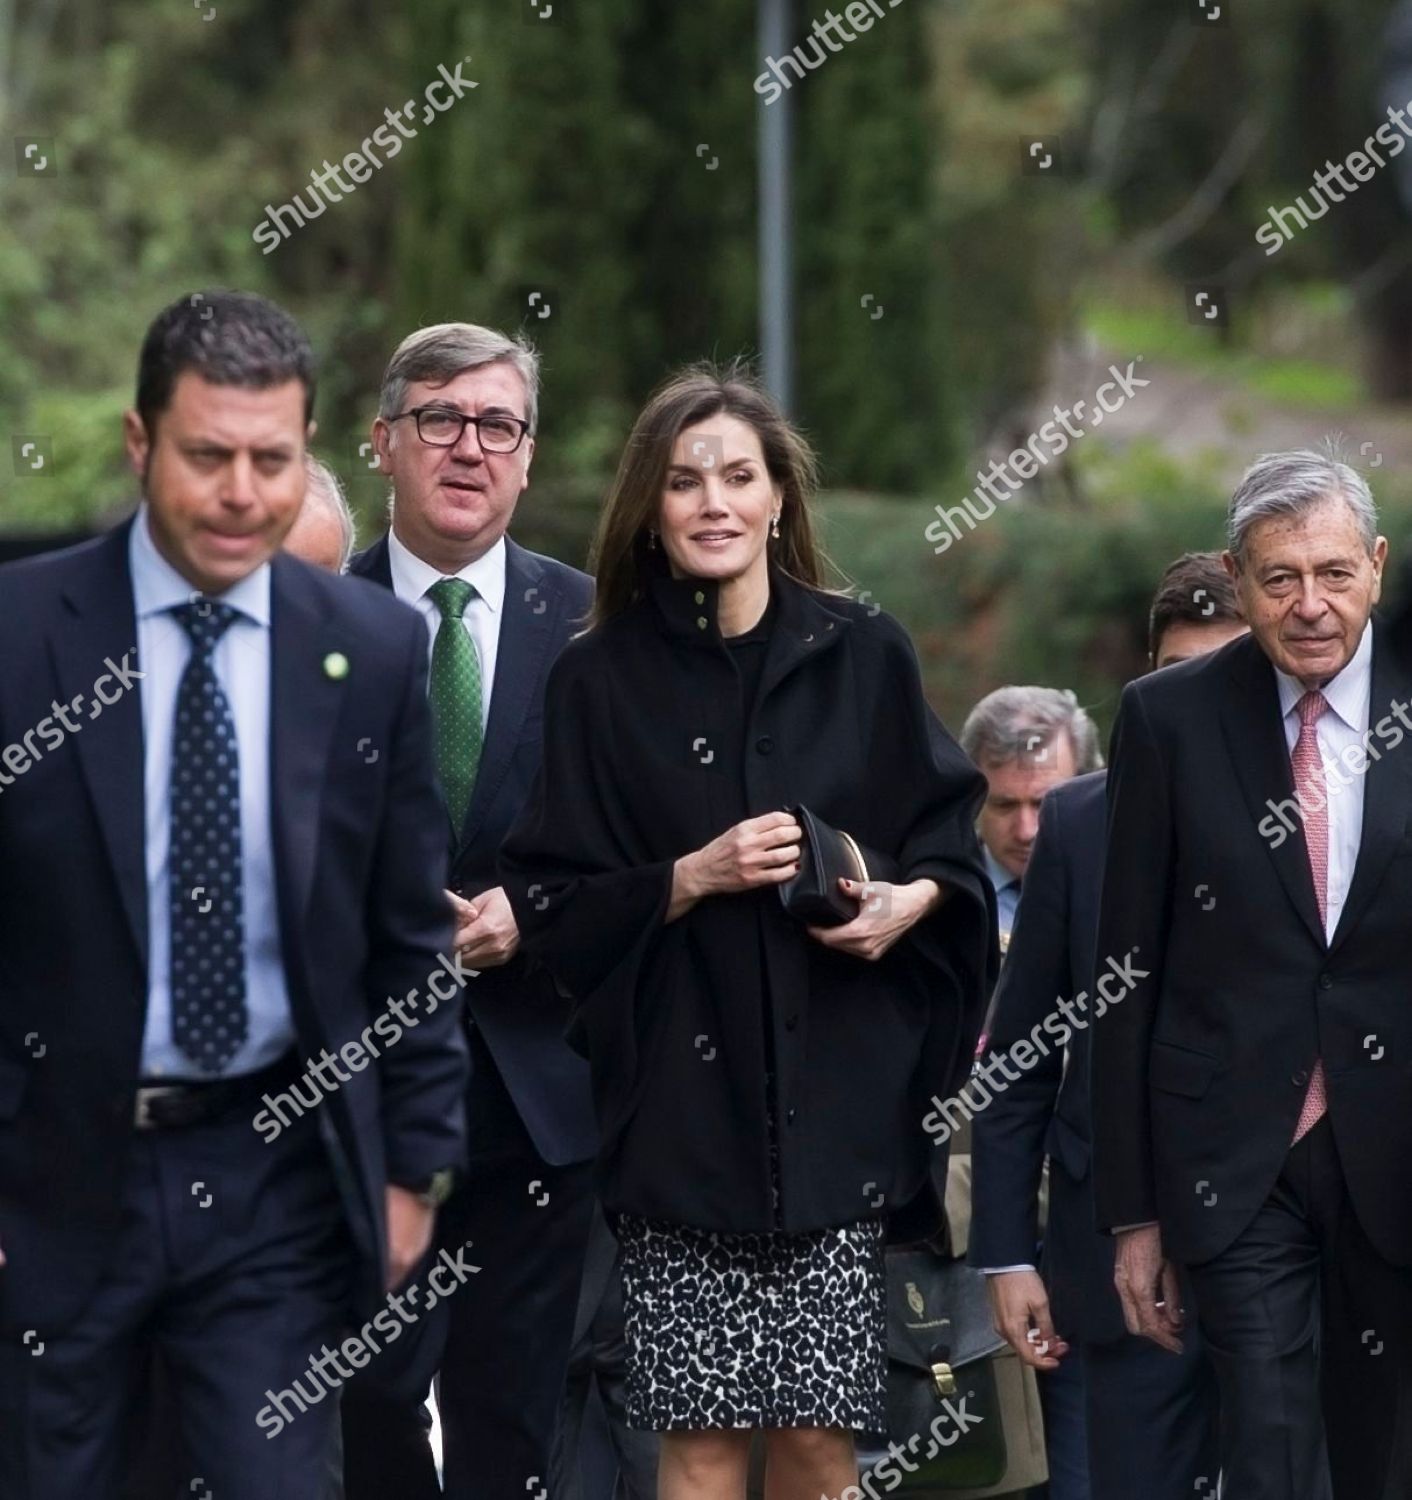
[[764, 744], [790, 1114], [1299, 1079], [1326, 981], [808, 637], [699, 597], [790, 1022], [702, 622]]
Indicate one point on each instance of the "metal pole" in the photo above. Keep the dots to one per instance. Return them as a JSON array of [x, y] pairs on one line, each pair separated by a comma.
[[776, 247]]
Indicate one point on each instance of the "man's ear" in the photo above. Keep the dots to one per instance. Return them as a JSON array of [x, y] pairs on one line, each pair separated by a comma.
[[382, 444], [136, 442]]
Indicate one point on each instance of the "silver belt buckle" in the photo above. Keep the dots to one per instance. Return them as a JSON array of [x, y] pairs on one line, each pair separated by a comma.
[[142, 1112]]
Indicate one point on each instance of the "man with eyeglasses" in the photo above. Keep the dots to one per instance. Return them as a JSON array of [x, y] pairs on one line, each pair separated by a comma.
[[455, 434]]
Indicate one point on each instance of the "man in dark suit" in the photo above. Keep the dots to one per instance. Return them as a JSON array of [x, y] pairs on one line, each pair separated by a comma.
[[455, 433], [203, 882], [1150, 1417], [1252, 1117], [1027, 739]]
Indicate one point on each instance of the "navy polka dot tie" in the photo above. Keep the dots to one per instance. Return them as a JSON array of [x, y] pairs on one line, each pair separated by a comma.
[[209, 1018]]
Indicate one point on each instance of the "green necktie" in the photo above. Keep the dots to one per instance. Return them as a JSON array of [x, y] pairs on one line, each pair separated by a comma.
[[455, 697]]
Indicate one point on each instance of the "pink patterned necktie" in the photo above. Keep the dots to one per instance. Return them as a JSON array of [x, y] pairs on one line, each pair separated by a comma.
[[1313, 797]]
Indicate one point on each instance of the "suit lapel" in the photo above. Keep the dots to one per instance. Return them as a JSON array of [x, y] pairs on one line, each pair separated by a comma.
[[1387, 786], [374, 564], [1255, 740], [101, 622], [305, 694], [530, 615]]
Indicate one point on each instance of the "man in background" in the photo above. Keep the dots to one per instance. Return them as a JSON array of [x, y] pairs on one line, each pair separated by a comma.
[[324, 533], [1027, 740], [455, 434], [1150, 1416]]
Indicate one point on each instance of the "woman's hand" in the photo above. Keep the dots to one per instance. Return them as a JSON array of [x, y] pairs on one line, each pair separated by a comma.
[[884, 915], [759, 851]]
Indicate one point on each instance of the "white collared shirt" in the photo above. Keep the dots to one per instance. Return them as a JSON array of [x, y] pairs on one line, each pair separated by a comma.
[[242, 665], [411, 578], [1344, 724]]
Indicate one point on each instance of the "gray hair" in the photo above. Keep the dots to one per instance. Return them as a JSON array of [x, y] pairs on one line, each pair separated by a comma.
[[1288, 484], [1015, 723], [442, 351], [323, 483]]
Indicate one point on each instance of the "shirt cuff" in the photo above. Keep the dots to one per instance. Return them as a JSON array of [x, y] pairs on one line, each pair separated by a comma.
[[1124, 1228], [1003, 1270]]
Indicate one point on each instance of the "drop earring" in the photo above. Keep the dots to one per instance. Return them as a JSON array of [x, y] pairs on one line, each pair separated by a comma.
[[775, 527], [651, 540]]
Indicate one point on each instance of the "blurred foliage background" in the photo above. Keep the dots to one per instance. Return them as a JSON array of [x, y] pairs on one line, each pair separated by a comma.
[[1029, 192]]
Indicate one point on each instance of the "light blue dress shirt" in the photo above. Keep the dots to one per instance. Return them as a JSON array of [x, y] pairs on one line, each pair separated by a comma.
[[242, 666], [1007, 891]]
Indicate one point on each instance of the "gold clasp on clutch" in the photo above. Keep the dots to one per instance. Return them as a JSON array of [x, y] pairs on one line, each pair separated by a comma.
[[943, 1380], [857, 854]]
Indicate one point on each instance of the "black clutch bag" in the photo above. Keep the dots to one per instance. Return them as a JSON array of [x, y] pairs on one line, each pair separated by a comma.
[[825, 853]]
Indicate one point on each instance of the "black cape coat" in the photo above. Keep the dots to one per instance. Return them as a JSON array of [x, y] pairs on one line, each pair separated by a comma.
[[649, 754]]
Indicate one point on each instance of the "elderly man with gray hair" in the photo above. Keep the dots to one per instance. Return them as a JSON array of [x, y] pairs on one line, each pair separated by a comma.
[[1251, 1095], [324, 533], [1025, 740], [455, 435]]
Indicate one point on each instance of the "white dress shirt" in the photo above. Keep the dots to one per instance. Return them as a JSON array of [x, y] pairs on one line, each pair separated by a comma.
[[411, 578], [242, 665], [1345, 723]]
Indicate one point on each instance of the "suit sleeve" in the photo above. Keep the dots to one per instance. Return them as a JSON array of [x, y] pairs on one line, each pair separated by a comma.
[[1008, 1137], [409, 925], [1134, 918]]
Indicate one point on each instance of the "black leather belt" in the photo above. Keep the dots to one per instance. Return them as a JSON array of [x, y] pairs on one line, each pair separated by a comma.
[[174, 1106]]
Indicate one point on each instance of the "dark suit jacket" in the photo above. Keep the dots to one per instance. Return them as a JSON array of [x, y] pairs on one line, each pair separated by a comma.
[[359, 859], [1199, 1073], [520, 1014], [1046, 1113]]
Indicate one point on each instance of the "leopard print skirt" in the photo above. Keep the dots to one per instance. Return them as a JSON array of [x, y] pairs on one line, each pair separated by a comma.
[[754, 1330]]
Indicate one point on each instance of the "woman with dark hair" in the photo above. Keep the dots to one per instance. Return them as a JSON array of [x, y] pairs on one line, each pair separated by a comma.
[[760, 1079]]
